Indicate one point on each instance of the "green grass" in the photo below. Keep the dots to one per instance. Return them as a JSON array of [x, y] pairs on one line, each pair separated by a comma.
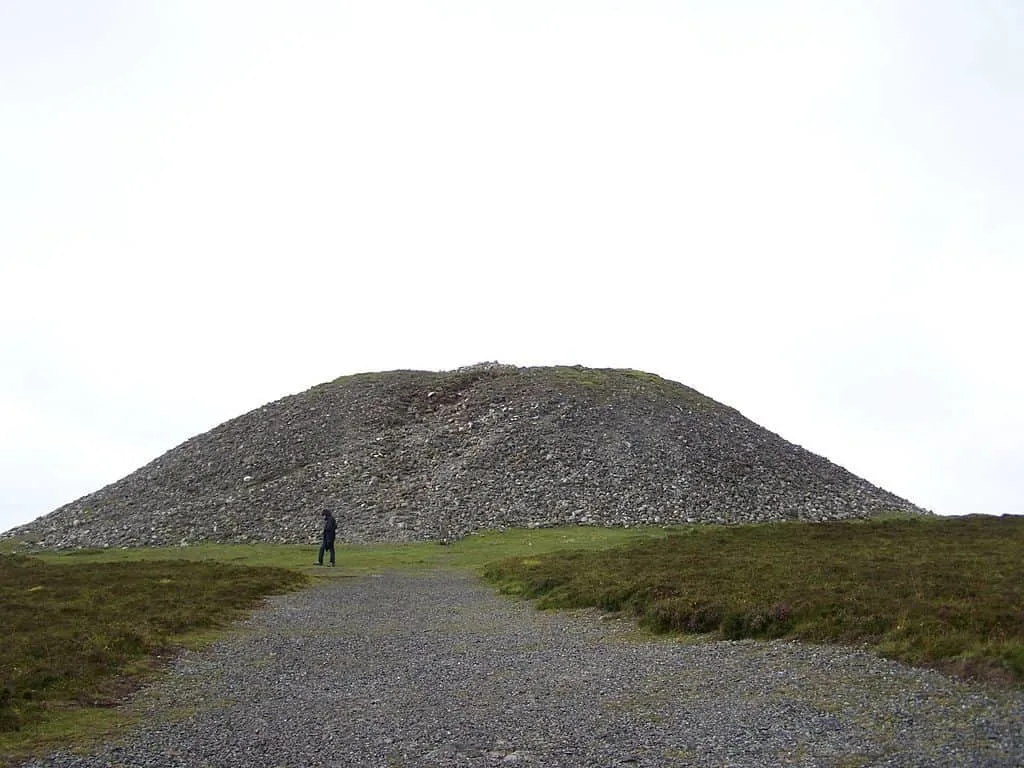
[[476, 551], [945, 592], [471, 552]]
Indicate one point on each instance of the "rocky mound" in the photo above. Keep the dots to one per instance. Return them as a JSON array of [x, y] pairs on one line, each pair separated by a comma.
[[408, 455]]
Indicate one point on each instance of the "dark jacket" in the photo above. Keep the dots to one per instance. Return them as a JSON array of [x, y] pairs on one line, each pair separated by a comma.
[[330, 528]]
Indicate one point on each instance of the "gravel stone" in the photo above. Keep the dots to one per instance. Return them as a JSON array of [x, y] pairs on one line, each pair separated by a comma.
[[435, 669]]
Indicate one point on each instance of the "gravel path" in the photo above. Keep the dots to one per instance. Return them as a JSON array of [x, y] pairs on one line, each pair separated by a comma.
[[436, 670]]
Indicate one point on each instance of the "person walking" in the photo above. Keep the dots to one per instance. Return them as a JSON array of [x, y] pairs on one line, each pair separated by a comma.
[[330, 528]]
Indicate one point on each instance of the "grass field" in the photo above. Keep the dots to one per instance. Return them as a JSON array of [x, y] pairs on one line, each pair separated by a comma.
[[944, 592], [85, 627], [471, 552]]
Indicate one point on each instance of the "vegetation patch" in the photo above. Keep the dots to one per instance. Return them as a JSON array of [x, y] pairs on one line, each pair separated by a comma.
[[592, 378], [944, 592], [608, 381], [81, 634]]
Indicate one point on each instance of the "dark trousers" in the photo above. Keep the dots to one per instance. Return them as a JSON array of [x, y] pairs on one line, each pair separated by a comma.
[[327, 546]]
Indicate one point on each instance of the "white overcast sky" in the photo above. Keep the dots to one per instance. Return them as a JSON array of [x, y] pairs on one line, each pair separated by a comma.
[[810, 211]]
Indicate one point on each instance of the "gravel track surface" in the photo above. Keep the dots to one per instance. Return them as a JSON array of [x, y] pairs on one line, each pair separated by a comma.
[[435, 669]]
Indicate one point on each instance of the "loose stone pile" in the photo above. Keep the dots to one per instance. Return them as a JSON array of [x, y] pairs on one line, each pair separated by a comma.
[[415, 455]]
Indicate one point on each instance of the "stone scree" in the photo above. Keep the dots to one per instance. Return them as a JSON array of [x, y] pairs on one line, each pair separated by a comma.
[[415, 455]]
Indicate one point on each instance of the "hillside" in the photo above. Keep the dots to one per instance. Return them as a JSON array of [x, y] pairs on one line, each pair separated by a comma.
[[410, 455]]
